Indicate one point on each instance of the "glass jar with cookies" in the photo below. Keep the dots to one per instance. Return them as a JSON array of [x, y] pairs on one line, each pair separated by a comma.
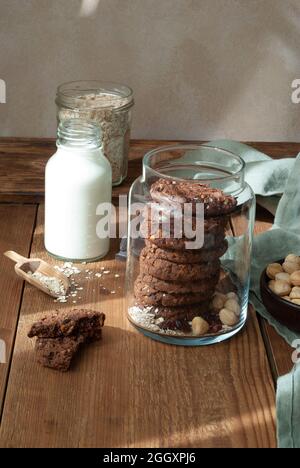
[[191, 218]]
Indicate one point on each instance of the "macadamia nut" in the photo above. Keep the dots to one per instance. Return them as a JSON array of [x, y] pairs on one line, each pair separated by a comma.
[[283, 276], [228, 317], [233, 305], [295, 293], [293, 258], [233, 295], [290, 267], [273, 269], [282, 288], [199, 326], [218, 301], [271, 285], [295, 278]]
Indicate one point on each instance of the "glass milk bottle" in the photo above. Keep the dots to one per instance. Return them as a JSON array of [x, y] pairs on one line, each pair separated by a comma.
[[78, 183]]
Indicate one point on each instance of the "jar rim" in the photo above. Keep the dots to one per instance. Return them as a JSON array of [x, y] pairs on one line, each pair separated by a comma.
[[182, 146], [68, 93]]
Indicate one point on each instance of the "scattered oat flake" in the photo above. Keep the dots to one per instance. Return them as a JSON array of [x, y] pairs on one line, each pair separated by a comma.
[[69, 270], [117, 276], [106, 272]]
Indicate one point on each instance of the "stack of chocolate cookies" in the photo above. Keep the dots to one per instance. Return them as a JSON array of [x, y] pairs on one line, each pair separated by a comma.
[[177, 283]]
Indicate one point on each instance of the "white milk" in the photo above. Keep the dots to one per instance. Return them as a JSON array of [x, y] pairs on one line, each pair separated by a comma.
[[78, 178]]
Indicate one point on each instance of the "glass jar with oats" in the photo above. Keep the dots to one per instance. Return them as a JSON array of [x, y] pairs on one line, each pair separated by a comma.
[[108, 104]]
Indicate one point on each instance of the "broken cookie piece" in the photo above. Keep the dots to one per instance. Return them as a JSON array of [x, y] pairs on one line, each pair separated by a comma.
[[60, 335], [57, 353], [86, 323]]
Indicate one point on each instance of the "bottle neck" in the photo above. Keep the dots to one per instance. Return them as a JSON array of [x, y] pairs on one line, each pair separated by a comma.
[[77, 134]]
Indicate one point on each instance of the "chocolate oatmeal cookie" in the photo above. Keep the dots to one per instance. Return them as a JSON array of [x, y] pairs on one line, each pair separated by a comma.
[[183, 312], [180, 287], [210, 242], [215, 201], [148, 295], [86, 323], [57, 353], [159, 217], [188, 256], [165, 236], [170, 271]]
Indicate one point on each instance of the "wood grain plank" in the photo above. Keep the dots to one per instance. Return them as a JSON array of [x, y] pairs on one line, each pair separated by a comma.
[[129, 391], [279, 351], [16, 229], [23, 160]]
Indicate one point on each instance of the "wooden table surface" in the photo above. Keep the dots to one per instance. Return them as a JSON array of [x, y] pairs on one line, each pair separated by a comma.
[[127, 390]]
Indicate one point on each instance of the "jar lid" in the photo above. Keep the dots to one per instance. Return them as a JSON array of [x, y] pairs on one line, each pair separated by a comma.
[[94, 95]]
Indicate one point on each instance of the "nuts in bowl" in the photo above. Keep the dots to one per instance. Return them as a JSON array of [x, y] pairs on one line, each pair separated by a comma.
[[285, 278], [280, 290]]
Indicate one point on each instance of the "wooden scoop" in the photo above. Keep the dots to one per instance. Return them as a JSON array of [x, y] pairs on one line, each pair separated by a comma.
[[25, 265]]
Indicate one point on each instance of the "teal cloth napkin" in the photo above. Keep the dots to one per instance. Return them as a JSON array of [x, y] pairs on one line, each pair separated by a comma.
[[266, 176], [270, 179]]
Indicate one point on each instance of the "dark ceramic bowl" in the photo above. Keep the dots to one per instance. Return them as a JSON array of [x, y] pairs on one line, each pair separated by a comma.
[[285, 312]]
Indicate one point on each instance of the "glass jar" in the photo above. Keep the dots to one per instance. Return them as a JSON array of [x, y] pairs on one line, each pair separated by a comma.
[[191, 219], [108, 104], [77, 192]]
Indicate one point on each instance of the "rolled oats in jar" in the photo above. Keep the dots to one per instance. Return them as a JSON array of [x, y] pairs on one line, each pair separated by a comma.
[[108, 104]]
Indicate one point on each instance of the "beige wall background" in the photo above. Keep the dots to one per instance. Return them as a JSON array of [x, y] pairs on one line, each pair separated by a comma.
[[200, 69]]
